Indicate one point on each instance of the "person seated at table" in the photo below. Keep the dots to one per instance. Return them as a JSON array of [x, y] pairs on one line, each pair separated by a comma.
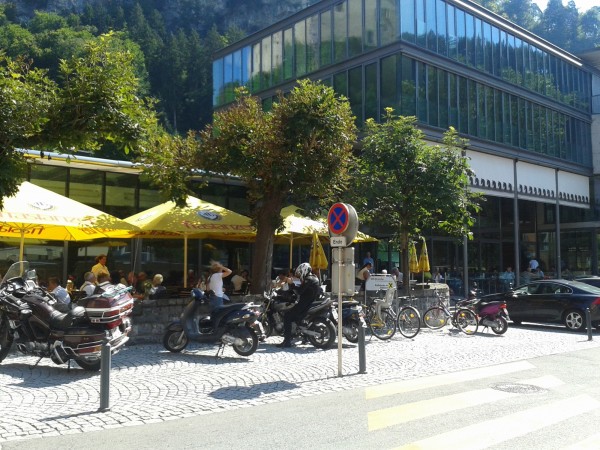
[[240, 282], [63, 299], [89, 283], [157, 290], [104, 283], [281, 281]]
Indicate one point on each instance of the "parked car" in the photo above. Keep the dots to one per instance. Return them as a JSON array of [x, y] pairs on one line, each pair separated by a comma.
[[592, 280], [553, 301]]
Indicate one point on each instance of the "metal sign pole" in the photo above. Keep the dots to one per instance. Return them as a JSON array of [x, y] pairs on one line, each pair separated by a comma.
[[340, 334]]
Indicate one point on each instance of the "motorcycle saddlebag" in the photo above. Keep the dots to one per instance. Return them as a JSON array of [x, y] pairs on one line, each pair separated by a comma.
[[109, 307]]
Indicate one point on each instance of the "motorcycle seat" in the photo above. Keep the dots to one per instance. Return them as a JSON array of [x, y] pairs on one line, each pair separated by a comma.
[[62, 321], [319, 305]]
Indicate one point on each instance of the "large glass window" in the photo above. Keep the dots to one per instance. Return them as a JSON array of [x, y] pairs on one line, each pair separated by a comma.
[[461, 34], [86, 186], [430, 24], [421, 23], [300, 47], [265, 66], [340, 83], [312, 43], [389, 21], [422, 92], [255, 80], [228, 77], [49, 177], [277, 58], [218, 82], [390, 94], [326, 50], [370, 32], [463, 105], [408, 20], [432, 93], [409, 87], [120, 194], [355, 27], [371, 92], [339, 32], [355, 92], [452, 101], [288, 53]]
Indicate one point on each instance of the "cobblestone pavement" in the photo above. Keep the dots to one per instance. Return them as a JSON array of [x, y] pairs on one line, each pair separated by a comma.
[[148, 384]]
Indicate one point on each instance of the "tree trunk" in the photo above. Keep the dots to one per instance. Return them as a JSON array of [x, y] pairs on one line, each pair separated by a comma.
[[405, 263], [262, 257]]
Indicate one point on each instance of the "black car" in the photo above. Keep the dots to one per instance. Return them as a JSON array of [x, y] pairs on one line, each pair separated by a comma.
[[553, 301], [592, 280]]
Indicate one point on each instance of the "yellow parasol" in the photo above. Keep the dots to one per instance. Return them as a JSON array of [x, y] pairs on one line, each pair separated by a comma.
[[413, 263], [199, 219], [424, 258], [318, 259], [37, 213]]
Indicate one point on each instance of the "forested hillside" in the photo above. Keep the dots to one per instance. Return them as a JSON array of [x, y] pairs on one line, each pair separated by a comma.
[[173, 40]]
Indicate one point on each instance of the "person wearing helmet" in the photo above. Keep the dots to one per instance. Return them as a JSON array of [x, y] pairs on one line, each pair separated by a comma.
[[308, 291]]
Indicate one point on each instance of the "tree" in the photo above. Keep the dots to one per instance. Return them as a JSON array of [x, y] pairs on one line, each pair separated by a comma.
[[298, 151], [410, 186], [96, 101]]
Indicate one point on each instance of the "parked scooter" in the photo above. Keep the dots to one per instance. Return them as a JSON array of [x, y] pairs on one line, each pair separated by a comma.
[[229, 324], [353, 318], [491, 313], [29, 318], [316, 326]]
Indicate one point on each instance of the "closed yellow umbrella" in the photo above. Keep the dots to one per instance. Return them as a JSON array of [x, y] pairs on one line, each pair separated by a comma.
[[318, 259], [413, 262], [424, 258]]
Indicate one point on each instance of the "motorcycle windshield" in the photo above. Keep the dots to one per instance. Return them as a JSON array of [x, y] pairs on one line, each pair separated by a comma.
[[19, 269]]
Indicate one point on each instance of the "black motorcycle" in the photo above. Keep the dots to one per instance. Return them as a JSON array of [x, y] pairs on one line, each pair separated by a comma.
[[316, 326], [229, 324], [30, 319]]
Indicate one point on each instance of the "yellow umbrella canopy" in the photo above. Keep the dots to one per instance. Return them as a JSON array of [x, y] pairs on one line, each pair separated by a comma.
[[318, 259], [37, 213], [199, 219], [413, 262], [424, 258]]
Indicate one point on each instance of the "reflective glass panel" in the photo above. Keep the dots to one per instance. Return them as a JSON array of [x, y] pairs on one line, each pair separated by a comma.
[[370, 32], [355, 27], [339, 32], [312, 43], [326, 38], [389, 21], [300, 47]]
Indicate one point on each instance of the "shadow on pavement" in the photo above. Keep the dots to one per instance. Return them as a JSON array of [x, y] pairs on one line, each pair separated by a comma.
[[249, 392]]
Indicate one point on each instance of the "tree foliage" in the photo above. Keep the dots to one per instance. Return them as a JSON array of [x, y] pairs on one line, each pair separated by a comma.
[[409, 186], [299, 151]]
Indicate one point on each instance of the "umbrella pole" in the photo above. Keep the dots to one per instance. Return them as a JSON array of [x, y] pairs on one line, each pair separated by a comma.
[[291, 248], [185, 260], [22, 245]]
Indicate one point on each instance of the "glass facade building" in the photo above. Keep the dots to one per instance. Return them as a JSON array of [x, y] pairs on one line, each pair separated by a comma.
[[524, 104]]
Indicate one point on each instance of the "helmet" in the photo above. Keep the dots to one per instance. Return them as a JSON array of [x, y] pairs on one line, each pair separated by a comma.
[[303, 270]]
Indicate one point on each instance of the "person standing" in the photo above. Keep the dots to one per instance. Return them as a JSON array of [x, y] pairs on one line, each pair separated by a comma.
[[363, 275], [369, 260], [215, 283], [100, 266]]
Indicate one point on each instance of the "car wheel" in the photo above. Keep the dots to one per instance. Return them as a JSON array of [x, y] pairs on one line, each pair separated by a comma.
[[574, 320]]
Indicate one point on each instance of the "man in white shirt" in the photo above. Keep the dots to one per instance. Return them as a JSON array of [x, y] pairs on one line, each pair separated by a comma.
[[89, 284], [63, 299]]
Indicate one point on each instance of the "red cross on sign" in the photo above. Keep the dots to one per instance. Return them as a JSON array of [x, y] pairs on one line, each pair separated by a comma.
[[338, 218]]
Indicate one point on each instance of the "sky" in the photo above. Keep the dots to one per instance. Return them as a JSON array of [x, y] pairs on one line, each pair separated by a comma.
[[582, 5]]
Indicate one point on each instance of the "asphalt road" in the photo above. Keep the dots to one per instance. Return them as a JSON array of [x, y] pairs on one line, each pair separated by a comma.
[[534, 387]]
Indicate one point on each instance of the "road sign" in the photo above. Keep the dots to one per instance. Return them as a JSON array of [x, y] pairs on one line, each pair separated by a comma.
[[338, 218], [337, 241]]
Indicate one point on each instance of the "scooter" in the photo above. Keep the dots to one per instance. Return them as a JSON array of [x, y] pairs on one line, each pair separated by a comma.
[[492, 314], [226, 325], [353, 318]]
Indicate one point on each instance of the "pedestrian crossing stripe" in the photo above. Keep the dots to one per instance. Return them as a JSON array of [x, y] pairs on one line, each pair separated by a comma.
[[512, 425], [590, 443], [408, 412], [445, 379]]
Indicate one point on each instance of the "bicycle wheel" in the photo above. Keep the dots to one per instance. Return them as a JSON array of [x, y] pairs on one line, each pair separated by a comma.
[[408, 322], [466, 321], [385, 327], [435, 318]]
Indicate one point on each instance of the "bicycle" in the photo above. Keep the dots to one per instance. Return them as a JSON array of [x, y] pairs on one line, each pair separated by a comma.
[[437, 317], [405, 319], [408, 321]]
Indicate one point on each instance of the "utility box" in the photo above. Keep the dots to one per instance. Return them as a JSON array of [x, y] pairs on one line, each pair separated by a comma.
[[342, 271]]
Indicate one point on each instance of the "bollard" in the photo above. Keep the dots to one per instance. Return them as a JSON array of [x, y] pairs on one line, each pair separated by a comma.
[[105, 377], [362, 360], [588, 320]]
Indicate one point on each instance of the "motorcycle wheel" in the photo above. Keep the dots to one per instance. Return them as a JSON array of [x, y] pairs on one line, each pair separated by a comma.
[[172, 343], [250, 341], [326, 332], [501, 325], [267, 326], [90, 364], [352, 335], [6, 338]]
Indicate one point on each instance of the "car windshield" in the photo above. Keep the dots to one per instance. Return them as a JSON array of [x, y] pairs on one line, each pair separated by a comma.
[[19, 269]]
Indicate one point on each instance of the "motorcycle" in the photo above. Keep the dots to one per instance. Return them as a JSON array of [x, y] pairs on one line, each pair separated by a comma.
[[316, 327], [353, 318], [491, 314], [29, 318], [229, 324]]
